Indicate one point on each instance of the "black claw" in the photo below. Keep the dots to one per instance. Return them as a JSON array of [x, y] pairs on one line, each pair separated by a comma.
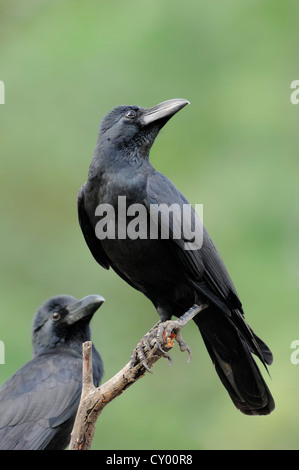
[[170, 362], [162, 350], [146, 367]]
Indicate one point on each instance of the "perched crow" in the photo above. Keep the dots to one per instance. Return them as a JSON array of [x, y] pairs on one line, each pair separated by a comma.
[[38, 404], [165, 269]]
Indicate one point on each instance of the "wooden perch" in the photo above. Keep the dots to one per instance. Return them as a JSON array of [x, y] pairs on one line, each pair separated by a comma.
[[149, 350]]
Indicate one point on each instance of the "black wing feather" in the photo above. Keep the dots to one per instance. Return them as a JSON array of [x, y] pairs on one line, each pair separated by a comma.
[[93, 243], [37, 399]]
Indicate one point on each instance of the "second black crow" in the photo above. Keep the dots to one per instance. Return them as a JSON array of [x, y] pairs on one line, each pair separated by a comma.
[[38, 404]]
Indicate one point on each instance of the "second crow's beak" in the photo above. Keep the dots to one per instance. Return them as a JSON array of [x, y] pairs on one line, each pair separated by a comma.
[[85, 307], [163, 110]]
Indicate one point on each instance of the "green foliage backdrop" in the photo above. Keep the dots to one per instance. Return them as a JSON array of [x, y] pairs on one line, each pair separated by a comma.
[[235, 149]]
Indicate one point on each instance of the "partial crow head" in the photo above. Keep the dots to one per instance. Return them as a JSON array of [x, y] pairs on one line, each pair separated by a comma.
[[130, 127], [63, 320]]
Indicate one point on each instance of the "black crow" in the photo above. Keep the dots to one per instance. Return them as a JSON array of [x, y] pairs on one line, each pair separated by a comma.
[[38, 404], [174, 271]]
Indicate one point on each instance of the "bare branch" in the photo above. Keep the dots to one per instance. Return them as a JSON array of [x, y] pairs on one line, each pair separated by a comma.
[[154, 345]]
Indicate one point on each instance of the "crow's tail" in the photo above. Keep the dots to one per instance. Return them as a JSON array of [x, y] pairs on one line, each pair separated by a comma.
[[231, 352]]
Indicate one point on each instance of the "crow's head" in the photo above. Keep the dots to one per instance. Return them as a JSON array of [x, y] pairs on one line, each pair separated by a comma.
[[63, 320], [133, 127]]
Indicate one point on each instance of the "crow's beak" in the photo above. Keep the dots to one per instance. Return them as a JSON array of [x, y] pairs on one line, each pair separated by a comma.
[[163, 110], [85, 307]]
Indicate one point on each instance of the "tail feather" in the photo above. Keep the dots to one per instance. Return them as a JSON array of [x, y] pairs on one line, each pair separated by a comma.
[[231, 354], [267, 354]]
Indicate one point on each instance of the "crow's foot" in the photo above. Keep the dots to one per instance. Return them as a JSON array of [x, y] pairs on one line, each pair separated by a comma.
[[160, 339], [148, 347]]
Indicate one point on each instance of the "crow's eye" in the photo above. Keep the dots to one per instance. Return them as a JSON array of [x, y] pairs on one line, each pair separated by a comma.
[[130, 114], [55, 316]]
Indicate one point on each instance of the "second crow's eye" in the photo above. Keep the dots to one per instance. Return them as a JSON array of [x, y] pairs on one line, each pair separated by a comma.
[[55, 316], [130, 113]]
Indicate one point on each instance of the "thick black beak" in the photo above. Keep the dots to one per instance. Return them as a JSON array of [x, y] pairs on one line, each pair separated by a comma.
[[85, 307], [163, 111]]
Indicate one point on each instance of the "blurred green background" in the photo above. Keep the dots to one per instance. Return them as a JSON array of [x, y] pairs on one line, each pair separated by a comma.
[[65, 64]]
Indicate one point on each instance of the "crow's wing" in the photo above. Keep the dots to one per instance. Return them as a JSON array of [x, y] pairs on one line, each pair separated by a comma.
[[203, 266], [37, 400], [93, 243]]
